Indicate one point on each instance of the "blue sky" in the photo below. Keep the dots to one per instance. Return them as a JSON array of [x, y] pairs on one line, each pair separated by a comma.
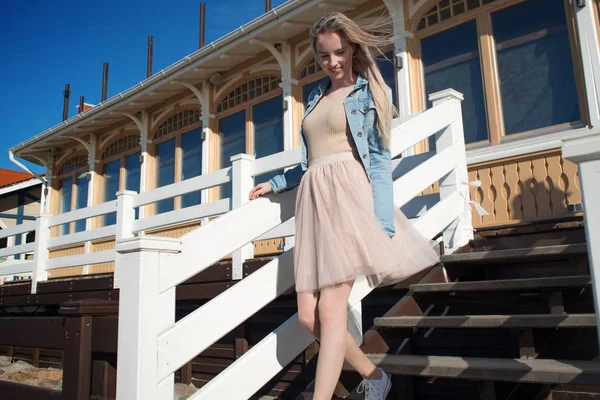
[[45, 44]]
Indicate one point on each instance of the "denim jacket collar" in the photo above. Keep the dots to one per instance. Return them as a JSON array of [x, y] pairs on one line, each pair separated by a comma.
[[360, 83]]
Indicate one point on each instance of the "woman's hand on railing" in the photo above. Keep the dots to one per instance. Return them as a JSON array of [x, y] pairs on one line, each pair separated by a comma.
[[260, 190]]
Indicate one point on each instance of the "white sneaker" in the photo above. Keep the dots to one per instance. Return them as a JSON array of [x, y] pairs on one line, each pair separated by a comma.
[[376, 389]]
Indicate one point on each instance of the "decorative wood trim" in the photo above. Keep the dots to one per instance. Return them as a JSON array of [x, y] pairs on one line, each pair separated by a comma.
[[233, 85], [121, 135], [176, 110], [457, 20], [68, 157]]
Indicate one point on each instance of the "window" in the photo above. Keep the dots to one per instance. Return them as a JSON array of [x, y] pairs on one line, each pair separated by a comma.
[[232, 131], [253, 123], [267, 119], [165, 171], [81, 198], [387, 66], [73, 188], [191, 163], [178, 156], [451, 60], [132, 172], [111, 172], [248, 91], [537, 82], [66, 195], [520, 53], [310, 68], [177, 122], [120, 170], [446, 9]]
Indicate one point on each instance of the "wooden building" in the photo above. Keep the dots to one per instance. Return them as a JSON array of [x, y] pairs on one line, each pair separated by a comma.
[[183, 147], [19, 203]]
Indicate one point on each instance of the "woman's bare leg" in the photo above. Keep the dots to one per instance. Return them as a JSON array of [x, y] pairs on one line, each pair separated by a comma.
[[308, 315], [333, 320]]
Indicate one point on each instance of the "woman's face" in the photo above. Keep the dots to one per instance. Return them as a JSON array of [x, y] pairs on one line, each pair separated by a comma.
[[334, 55]]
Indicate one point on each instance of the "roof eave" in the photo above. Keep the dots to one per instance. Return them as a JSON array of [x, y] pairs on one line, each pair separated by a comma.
[[251, 29]]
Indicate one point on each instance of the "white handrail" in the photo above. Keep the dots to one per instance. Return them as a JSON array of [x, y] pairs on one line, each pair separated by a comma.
[[81, 259], [157, 347], [20, 249], [419, 128], [191, 185], [82, 237], [17, 230], [84, 213], [188, 214], [15, 268], [257, 218], [422, 176], [276, 161]]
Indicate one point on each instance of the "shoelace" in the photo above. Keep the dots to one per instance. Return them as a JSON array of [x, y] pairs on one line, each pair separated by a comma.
[[369, 389]]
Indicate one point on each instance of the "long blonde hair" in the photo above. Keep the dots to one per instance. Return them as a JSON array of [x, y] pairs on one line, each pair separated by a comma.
[[366, 42]]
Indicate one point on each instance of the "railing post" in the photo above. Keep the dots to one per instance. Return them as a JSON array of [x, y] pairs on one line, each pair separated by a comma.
[[584, 149], [242, 183], [125, 219], [144, 312], [40, 253], [125, 214], [461, 231]]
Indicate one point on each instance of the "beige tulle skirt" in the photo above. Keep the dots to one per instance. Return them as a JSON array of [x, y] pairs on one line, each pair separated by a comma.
[[338, 236]]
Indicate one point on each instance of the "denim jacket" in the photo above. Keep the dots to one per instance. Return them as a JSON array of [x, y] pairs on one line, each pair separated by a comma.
[[362, 120]]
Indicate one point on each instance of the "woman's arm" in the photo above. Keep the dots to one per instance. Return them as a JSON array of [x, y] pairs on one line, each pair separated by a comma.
[[288, 180], [381, 179]]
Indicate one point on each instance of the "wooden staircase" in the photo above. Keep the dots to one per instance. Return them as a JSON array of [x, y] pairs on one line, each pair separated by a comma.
[[508, 317]]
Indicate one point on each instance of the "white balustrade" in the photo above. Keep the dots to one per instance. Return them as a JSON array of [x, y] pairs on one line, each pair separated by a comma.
[[148, 268]]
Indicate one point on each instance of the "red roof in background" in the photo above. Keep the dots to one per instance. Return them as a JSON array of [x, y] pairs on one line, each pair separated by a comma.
[[9, 177]]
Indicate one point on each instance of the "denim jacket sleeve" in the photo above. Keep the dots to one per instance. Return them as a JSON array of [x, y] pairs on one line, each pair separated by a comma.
[[288, 180], [381, 179]]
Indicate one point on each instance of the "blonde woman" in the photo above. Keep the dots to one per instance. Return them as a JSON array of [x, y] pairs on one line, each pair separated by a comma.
[[346, 222]]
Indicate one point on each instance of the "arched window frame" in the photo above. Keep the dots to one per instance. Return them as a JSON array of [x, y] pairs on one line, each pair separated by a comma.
[[79, 165], [121, 155], [246, 106], [157, 137]]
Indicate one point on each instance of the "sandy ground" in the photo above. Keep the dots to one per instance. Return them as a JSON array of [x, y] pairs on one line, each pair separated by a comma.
[[50, 378]]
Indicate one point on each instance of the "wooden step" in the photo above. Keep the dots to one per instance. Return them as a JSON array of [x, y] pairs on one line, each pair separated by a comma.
[[491, 321], [512, 255], [491, 369], [559, 282], [575, 392]]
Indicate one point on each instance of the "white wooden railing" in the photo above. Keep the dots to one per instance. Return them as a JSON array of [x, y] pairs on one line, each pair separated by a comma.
[[148, 268], [152, 346]]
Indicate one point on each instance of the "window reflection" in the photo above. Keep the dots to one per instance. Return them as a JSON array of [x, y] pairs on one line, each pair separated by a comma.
[[232, 130], [267, 118]]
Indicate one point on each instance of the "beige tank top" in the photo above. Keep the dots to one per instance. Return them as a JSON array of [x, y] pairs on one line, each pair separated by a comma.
[[325, 128]]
